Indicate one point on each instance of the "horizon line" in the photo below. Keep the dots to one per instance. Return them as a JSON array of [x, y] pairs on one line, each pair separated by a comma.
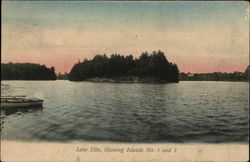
[[77, 62]]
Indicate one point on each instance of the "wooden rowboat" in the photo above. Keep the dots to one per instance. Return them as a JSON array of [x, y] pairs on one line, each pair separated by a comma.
[[20, 101]]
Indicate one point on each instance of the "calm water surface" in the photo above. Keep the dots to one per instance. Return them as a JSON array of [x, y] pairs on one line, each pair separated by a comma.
[[177, 112]]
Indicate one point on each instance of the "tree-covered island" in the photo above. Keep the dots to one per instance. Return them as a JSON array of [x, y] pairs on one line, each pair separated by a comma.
[[152, 67], [26, 71]]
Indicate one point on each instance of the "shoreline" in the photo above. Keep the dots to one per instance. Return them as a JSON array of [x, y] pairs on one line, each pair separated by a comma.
[[125, 81], [128, 79]]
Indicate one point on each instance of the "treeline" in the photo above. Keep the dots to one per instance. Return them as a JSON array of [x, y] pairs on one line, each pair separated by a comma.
[[26, 71], [147, 65], [62, 76], [217, 76]]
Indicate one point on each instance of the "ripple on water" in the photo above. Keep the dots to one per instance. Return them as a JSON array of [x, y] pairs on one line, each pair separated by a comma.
[[183, 112]]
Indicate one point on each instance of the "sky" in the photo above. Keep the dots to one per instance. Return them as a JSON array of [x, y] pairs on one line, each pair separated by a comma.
[[200, 37]]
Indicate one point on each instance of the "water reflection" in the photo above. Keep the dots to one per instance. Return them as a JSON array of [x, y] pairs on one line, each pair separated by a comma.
[[6, 113], [182, 112], [19, 111]]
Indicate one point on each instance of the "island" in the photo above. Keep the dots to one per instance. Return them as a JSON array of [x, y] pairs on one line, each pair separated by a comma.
[[149, 68], [26, 71], [216, 76]]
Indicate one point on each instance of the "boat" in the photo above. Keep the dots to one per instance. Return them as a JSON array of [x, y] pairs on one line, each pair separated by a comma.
[[20, 101]]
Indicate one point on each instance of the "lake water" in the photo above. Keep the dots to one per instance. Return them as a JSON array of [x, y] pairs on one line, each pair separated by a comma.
[[130, 112]]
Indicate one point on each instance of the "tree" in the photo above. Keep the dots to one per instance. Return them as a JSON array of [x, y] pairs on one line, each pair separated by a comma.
[[147, 65], [26, 71]]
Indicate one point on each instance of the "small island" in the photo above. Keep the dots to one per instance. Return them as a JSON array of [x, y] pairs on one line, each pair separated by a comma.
[[26, 71], [148, 68]]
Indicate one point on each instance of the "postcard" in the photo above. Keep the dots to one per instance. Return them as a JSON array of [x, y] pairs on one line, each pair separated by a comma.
[[126, 81]]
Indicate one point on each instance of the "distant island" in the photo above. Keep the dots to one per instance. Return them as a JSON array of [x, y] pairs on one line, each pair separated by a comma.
[[149, 68], [152, 67], [216, 76], [26, 71]]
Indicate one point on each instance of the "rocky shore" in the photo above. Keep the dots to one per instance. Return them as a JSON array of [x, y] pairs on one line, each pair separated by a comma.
[[127, 79]]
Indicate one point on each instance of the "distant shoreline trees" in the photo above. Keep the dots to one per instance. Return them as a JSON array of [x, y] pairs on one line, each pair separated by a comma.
[[60, 76], [26, 71], [153, 65], [216, 76]]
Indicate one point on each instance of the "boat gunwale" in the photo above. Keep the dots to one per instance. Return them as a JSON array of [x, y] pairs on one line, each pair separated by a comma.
[[21, 101]]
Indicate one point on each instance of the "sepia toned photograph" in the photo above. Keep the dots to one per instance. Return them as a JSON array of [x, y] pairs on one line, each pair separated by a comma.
[[125, 81]]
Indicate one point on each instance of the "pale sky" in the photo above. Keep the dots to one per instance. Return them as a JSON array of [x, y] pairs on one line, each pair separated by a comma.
[[197, 36]]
